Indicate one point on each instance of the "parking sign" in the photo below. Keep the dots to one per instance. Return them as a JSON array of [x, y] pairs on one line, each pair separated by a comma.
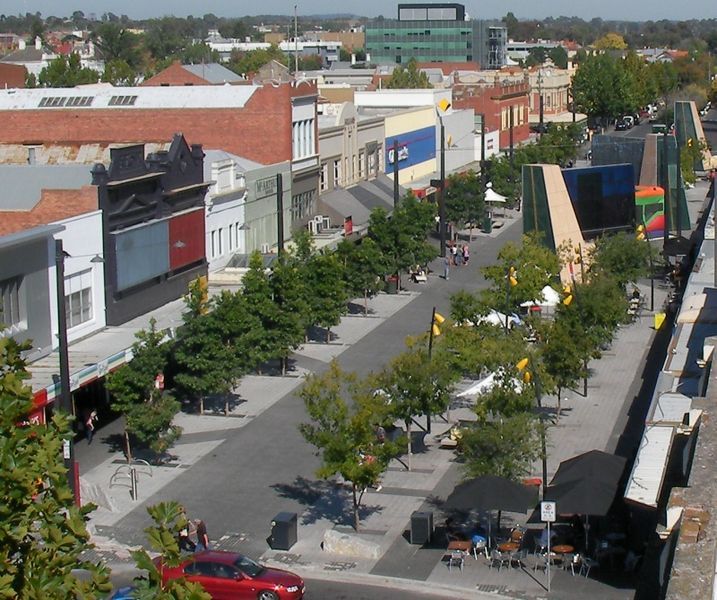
[[547, 512]]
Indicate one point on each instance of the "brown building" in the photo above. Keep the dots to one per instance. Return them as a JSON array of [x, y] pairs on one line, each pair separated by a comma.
[[12, 76], [503, 100], [264, 123], [203, 74]]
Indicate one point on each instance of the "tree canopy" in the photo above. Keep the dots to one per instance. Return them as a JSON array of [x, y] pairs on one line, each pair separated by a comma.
[[410, 77]]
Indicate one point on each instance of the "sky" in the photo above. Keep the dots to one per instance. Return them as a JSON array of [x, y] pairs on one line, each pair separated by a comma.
[[637, 10]]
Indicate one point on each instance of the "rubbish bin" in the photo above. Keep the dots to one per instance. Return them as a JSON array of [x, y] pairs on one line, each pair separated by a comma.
[[421, 527], [283, 531], [488, 224], [392, 284]]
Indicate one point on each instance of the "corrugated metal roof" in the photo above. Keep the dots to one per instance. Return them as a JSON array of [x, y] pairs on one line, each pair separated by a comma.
[[670, 408], [127, 98], [650, 466], [22, 185], [213, 73]]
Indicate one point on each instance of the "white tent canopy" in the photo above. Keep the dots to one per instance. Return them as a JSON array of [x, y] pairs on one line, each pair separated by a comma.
[[492, 196], [549, 298]]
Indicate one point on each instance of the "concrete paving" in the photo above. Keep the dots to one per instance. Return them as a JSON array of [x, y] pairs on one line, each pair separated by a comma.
[[239, 473]]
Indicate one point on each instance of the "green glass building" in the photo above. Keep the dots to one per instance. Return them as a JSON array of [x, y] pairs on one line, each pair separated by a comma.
[[436, 33]]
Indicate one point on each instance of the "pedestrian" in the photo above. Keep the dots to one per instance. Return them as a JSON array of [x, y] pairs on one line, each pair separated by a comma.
[[90, 421], [454, 253], [202, 538], [183, 537], [466, 254], [446, 266]]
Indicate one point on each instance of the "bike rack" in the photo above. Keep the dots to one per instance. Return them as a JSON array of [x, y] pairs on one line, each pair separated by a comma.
[[131, 471]]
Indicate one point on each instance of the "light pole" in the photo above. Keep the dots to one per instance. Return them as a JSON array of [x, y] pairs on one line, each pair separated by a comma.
[[510, 282], [441, 197], [526, 366], [68, 446], [666, 189], [434, 331], [642, 235]]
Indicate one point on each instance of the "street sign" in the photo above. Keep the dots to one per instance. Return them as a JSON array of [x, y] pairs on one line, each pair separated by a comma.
[[66, 449], [547, 512]]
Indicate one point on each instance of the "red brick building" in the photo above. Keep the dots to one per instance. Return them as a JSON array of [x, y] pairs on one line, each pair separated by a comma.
[[496, 96], [264, 123]]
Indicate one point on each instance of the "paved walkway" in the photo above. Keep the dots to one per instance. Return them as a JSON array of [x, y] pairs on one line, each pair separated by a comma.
[[362, 343]]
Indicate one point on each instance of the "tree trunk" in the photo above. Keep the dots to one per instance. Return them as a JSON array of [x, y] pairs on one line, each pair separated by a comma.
[[408, 442], [365, 303], [356, 507], [128, 448], [201, 405], [559, 407], [284, 360], [470, 233], [328, 334]]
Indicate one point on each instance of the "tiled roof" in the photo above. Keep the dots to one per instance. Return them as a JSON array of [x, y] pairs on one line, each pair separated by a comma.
[[54, 205]]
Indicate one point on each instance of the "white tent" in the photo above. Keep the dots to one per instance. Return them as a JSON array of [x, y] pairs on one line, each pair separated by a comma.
[[550, 298], [493, 196], [485, 385]]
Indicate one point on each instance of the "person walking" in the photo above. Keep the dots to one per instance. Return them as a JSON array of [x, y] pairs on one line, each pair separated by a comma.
[[202, 538], [466, 254], [90, 421], [454, 253], [446, 266], [183, 537]]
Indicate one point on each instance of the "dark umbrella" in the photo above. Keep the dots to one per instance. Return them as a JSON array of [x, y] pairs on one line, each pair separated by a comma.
[[490, 492], [594, 465], [584, 497]]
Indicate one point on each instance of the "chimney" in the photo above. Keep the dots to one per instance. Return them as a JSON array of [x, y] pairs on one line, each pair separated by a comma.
[[38, 43]]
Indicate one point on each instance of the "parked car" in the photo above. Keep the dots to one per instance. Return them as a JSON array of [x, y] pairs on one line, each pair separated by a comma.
[[227, 575], [622, 125]]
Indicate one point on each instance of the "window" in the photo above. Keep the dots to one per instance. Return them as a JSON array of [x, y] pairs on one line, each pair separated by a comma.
[[12, 314], [220, 241], [361, 164], [302, 143], [78, 298], [337, 172], [213, 238], [231, 237], [122, 100], [302, 205], [324, 177], [372, 164]]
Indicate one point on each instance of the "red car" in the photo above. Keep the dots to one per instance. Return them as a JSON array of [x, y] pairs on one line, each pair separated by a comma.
[[232, 576]]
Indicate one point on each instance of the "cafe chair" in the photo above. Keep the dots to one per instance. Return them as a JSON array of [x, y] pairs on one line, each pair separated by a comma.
[[573, 563], [456, 558], [480, 545], [499, 559], [586, 564]]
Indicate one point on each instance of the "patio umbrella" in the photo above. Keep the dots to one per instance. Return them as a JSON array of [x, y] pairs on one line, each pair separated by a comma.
[[490, 492], [593, 465]]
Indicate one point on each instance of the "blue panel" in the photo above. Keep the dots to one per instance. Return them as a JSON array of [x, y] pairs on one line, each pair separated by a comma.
[[142, 253], [414, 148]]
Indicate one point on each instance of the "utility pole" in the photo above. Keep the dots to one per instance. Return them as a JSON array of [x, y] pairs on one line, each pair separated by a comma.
[[296, 41], [395, 173], [666, 187], [279, 214], [441, 198]]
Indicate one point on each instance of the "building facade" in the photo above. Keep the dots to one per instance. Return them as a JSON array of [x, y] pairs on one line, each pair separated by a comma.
[[436, 33]]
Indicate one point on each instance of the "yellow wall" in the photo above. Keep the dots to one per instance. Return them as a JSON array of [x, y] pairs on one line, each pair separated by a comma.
[[405, 122]]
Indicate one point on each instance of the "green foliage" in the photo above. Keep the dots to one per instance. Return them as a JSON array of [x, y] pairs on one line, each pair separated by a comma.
[[503, 446], [42, 532], [604, 88], [203, 355], [148, 412], [166, 37], [117, 43], [562, 357], [257, 293], [691, 157], [290, 297], [409, 78], [344, 431], [401, 236], [621, 256], [364, 268], [535, 266], [119, 73], [66, 72], [169, 519], [327, 297], [464, 198], [245, 63]]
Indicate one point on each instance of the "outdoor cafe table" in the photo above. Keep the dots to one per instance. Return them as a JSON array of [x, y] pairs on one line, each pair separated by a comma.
[[562, 549], [508, 546], [464, 545]]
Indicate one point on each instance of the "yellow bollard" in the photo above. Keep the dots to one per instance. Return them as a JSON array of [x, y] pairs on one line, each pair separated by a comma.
[[659, 320]]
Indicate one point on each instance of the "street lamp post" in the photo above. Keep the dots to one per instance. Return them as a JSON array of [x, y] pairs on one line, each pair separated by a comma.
[[529, 373], [441, 197], [68, 448], [666, 189]]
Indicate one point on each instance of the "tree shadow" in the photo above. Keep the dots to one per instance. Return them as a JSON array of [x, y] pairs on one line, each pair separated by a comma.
[[324, 500], [114, 442], [318, 334], [215, 404], [273, 368], [357, 308]]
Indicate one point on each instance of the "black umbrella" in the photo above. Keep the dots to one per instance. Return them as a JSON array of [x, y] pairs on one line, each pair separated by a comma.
[[593, 465], [490, 492], [583, 497]]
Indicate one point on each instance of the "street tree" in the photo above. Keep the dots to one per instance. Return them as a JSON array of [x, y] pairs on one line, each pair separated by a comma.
[[327, 296], [66, 72], [416, 385], [290, 297], [364, 268], [246, 63], [402, 235], [465, 200], [562, 359], [257, 293], [621, 256], [520, 273], [119, 73], [506, 446], [148, 412], [118, 43], [610, 41], [42, 533], [200, 353], [169, 519], [344, 431], [410, 77], [603, 88]]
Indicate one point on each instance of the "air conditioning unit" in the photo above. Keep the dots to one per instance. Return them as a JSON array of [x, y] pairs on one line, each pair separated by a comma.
[[265, 248]]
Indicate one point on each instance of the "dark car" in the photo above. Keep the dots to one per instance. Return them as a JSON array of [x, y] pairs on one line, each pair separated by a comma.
[[228, 575], [622, 125]]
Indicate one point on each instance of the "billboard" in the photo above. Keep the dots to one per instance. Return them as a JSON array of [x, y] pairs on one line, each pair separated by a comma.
[[650, 209], [413, 148], [603, 198]]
